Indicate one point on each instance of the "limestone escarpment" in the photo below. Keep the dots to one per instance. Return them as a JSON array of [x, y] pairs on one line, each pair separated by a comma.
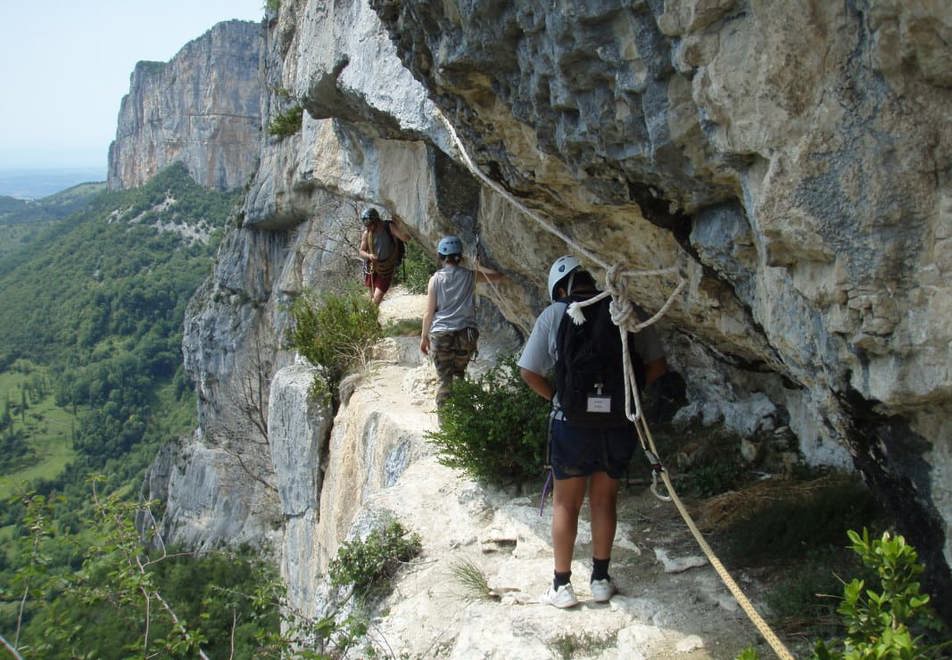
[[791, 158], [299, 232], [796, 157], [202, 108]]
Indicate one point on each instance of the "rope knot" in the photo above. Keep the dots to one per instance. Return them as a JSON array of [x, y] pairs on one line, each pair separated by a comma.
[[622, 309]]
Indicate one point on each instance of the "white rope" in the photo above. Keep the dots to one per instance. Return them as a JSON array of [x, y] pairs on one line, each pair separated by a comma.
[[624, 316], [471, 166]]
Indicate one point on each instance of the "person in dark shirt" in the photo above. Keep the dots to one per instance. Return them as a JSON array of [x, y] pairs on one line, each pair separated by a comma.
[[380, 251]]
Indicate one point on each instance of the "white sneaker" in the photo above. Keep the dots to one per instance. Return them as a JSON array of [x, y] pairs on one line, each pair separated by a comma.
[[562, 597], [603, 590]]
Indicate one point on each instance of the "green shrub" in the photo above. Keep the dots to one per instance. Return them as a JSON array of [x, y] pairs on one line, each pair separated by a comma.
[[367, 565], [493, 428], [887, 618], [416, 269], [714, 477], [581, 644], [882, 619], [336, 331], [287, 123], [403, 328]]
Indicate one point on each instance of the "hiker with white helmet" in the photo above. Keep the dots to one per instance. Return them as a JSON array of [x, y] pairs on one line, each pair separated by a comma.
[[381, 246], [449, 331], [591, 440]]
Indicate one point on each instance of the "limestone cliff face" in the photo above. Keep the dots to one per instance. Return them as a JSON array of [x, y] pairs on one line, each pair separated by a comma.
[[202, 108], [791, 159]]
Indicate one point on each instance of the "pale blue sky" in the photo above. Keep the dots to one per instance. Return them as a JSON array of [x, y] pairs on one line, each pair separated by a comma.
[[65, 65]]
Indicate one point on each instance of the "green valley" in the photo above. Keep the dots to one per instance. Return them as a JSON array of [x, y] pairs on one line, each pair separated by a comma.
[[93, 290], [36, 435]]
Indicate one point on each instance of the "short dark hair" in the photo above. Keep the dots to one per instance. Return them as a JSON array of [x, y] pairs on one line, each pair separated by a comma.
[[582, 280]]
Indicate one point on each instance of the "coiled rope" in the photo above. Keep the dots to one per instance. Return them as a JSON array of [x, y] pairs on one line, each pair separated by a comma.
[[624, 316]]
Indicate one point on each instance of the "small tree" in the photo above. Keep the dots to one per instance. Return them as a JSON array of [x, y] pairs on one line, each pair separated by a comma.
[[287, 123], [888, 623], [335, 331], [880, 624]]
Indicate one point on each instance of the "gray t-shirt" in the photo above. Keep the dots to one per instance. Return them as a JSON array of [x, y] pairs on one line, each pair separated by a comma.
[[540, 351], [455, 299]]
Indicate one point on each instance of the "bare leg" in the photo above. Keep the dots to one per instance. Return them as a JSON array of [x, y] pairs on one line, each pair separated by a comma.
[[377, 296], [603, 500], [567, 498]]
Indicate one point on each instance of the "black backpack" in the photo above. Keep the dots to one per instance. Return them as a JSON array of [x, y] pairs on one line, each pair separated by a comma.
[[589, 375]]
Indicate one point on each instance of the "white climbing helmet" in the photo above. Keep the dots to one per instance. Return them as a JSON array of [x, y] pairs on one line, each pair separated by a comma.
[[562, 267]]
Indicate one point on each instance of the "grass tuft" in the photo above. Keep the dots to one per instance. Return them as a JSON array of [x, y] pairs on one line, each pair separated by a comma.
[[471, 578]]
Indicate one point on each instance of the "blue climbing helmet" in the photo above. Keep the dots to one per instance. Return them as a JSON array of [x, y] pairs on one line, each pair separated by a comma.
[[449, 245]]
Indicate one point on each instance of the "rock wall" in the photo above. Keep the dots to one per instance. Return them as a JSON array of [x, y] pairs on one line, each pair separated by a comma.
[[791, 159], [202, 108]]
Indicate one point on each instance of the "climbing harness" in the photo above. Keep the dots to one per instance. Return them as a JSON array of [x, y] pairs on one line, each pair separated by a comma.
[[623, 315]]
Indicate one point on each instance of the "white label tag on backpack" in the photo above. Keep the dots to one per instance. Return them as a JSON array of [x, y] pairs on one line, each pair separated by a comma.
[[599, 404]]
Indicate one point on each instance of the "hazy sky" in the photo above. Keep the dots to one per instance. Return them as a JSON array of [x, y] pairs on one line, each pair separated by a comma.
[[65, 65]]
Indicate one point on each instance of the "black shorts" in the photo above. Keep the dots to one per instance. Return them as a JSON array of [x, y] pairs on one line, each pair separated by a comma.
[[577, 452]]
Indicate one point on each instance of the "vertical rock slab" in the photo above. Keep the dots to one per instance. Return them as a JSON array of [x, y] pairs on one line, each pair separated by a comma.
[[202, 108], [297, 431]]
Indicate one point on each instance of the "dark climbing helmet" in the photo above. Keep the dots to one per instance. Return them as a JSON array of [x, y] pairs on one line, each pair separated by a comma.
[[369, 215], [449, 245]]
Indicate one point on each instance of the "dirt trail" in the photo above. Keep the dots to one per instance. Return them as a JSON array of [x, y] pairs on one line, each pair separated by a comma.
[[687, 614]]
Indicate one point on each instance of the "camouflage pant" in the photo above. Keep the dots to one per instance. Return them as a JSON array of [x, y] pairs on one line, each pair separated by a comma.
[[452, 352]]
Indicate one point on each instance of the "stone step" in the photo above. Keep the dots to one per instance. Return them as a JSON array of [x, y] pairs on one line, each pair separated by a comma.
[[404, 351]]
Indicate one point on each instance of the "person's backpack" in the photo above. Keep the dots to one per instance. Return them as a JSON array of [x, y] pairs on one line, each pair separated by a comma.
[[589, 375], [390, 266], [399, 251], [399, 246]]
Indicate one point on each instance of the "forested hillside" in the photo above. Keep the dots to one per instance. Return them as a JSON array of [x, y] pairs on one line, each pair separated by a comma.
[[22, 222], [101, 303], [91, 385]]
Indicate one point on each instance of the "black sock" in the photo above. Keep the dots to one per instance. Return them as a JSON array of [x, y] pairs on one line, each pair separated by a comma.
[[600, 569], [561, 578]]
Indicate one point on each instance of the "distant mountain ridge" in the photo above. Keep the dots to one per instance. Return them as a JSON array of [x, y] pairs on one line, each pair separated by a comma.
[[23, 222], [202, 108], [58, 205], [36, 183], [163, 234]]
